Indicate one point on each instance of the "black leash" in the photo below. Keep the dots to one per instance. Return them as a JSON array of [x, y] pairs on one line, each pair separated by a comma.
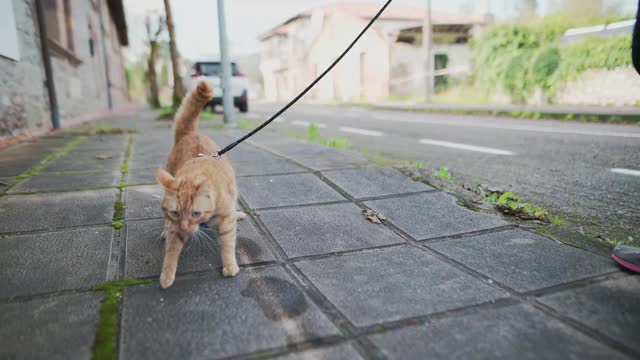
[[335, 62]]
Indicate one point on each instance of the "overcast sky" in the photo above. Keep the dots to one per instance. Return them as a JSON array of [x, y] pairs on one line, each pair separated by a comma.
[[196, 21]]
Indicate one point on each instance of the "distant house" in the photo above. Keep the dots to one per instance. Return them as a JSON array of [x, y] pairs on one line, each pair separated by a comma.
[[388, 60], [84, 41]]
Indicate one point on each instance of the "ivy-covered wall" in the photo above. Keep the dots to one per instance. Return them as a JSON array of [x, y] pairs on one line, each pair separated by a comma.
[[521, 58]]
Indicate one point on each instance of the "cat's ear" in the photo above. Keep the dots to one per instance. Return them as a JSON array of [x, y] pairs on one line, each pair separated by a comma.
[[166, 180]]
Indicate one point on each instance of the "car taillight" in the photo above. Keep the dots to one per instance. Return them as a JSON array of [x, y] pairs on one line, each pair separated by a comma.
[[238, 74], [196, 74]]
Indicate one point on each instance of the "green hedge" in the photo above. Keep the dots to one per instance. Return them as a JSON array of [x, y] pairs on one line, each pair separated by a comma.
[[518, 57]]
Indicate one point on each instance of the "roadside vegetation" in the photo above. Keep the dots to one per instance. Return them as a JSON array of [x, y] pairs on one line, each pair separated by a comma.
[[517, 58]]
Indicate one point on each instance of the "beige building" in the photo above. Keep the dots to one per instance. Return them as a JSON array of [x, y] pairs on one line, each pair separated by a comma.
[[386, 61]]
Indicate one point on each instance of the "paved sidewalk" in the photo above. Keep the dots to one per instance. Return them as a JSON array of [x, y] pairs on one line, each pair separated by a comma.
[[317, 280]]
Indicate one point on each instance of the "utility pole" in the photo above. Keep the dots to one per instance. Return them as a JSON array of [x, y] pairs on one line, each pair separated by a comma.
[[46, 61], [227, 101], [426, 44]]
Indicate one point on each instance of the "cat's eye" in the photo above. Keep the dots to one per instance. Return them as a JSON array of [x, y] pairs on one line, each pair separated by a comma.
[[196, 214], [174, 213]]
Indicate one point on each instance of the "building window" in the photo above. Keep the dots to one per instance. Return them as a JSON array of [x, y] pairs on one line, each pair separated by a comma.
[[68, 24], [59, 20]]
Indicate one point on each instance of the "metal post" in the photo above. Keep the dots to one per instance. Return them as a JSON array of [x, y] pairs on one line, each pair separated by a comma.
[[105, 57], [426, 44], [227, 101], [46, 60]]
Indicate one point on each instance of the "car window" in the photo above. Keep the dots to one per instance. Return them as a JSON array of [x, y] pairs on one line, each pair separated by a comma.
[[214, 68]]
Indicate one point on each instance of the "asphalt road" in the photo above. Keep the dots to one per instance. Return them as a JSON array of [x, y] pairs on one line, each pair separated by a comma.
[[589, 173]]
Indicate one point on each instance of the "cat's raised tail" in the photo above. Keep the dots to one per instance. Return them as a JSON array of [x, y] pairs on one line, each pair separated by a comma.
[[188, 115]]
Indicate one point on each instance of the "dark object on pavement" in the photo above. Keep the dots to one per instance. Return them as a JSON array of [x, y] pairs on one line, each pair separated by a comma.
[[628, 257], [635, 43]]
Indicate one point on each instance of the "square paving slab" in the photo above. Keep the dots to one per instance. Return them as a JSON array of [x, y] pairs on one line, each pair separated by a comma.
[[142, 176], [362, 183], [317, 157], [15, 167], [255, 310], [325, 229], [6, 183], [69, 163], [47, 262], [393, 284], [59, 327], [56, 210], [514, 332], [147, 160], [283, 190], [104, 142], [68, 182], [268, 167], [426, 216], [339, 352], [611, 308], [249, 153], [522, 260], [143, 202], [145, 249]]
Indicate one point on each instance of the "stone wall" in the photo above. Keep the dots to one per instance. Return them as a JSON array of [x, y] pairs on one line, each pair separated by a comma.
[[617, 87], [79, 74], [23, 97]]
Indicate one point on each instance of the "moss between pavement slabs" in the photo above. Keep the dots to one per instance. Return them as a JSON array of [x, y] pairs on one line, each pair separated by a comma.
[[103, 347], [36, 169], [119, 205]]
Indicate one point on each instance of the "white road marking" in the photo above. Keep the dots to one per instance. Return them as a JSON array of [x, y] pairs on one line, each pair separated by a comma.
[[626, 171], [253, 116], [361, 131], [307, 123], [478, 124], [466, 147]]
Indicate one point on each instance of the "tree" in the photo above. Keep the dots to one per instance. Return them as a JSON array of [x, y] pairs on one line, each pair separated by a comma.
[[178, 87], [153, 39]]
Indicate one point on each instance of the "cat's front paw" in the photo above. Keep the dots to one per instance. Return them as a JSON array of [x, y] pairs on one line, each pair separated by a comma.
[[230, 270], [166, 280]]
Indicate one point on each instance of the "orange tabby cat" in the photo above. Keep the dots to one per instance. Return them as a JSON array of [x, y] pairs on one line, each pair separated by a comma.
[[197, 189]]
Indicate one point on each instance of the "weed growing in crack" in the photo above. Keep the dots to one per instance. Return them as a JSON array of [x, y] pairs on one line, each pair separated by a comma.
[[510, 204], [555, 221], [313, 135], [615, 242], [444, 173]]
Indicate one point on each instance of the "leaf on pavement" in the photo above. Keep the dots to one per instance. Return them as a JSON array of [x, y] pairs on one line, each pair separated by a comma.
[[103, 156], [374, 217]]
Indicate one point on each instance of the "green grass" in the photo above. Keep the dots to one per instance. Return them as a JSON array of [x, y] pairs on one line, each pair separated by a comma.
[[103, 347], [510, 204], [460, 95], [166, 111], [555, 221], [102, 128], [245, 124], [313, 135], [444, 173]]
